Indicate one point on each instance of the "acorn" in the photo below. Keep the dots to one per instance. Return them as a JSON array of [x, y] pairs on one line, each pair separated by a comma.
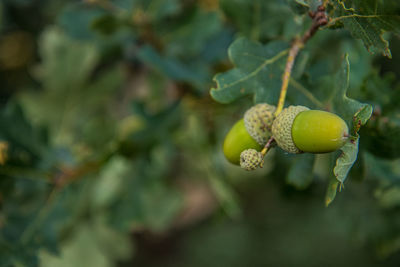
[[238, 140], [251, 132], [298, 129], [251, 159]]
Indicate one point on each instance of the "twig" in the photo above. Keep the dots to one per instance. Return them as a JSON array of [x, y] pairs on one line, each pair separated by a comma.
[[319, 19], [269, 144], [294, 50]]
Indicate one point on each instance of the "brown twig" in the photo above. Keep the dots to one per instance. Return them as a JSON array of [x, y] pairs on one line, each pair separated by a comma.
[[269, 144]]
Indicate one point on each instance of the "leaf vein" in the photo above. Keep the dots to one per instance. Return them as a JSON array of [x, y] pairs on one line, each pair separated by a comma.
[[257, 70]]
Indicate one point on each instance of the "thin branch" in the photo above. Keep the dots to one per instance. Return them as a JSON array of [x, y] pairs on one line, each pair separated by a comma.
[[269, 144], [319, 19], [294, 50]]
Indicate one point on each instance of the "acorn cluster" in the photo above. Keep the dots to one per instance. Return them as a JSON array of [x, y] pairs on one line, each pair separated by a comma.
[[296, 129]]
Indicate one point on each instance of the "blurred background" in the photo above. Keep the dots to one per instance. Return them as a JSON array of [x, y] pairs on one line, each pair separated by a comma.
[[111, 146]]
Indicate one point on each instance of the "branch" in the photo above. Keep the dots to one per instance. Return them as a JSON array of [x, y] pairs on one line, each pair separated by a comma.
[[294, 50], [319, 19], [270, 143]]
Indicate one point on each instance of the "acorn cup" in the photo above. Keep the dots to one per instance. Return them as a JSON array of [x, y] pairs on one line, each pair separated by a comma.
[[250, 159]]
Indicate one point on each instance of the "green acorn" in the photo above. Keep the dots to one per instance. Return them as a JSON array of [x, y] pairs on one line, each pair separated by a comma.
[[237, 140], [251, 132], [251, 159], [298, 129]]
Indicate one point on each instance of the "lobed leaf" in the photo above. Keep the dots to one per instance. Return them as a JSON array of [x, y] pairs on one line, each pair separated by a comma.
[[350, 150], [367, 24], [342, 104], [257, 72], [346, 160], [264, 20], [354, 113], [171, 67]]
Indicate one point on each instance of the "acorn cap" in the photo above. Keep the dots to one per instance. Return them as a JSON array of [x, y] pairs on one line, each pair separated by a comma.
[[258, 122], [282, 128], [250, 159]]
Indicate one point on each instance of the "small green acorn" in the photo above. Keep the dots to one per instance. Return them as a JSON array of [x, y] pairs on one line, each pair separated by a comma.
[[251, 159], [298, 129], [251, 132], [238, 140]]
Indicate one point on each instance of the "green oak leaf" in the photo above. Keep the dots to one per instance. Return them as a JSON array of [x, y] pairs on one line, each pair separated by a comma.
[[171, 67], [350, 150], [346, 160], [105, 24], [157, 10], [66, 74], [367, 23], [331, 191], [356, 114], [257, 72], [264, 20], [342, 104], [76, 19], [95, 240], [361, 118], [348, 157], [380, 137]]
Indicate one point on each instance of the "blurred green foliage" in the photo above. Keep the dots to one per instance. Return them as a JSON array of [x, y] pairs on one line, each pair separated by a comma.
[[110, 143]]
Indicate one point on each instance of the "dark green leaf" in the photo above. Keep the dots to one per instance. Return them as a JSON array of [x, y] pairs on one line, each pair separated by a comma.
[[380, 136], [96, 240], [257, 72], [158, 10], [190, 38], [366, 24], [263, 20], [106, 24], [77, 18], [171, 67]]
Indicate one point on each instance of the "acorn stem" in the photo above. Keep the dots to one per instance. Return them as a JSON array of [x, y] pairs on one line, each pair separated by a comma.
[[319, 19], [267, 146], [294, 50]]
